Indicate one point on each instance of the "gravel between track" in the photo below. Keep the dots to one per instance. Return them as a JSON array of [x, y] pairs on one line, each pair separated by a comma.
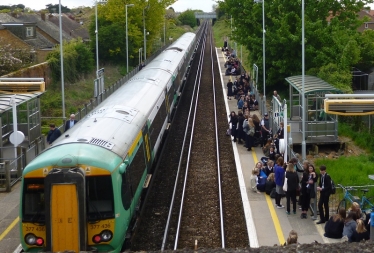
[[153, 221]]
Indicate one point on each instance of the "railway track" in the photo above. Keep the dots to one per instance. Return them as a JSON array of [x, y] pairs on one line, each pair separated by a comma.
[[198, 158]]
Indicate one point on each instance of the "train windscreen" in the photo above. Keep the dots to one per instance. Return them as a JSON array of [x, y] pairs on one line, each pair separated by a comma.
[[99, 192], [33, 200]]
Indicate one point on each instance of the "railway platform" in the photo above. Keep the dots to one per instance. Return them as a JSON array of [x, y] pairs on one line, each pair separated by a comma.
[[267, 225]]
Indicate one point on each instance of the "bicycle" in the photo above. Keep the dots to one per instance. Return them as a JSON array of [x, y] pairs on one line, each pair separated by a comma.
[[364, 202]]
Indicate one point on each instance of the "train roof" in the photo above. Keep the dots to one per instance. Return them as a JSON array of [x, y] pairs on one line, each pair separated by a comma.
[[116, 122], [76, 153]]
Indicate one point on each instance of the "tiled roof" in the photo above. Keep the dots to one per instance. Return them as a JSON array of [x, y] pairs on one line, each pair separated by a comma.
[[40, 42], [6, 18], [46, 26], [73, 28]]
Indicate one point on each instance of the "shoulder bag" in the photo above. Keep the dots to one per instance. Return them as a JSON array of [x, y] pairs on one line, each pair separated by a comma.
[[285, 183]]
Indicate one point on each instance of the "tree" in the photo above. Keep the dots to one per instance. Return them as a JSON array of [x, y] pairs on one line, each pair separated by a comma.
[[78, 60], [331, 36], [188, 18], [54, 8], [13, 58], [112, 27]]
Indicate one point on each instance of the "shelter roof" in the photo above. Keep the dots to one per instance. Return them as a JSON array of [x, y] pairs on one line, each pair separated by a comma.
[[312, 84], [20, 99]]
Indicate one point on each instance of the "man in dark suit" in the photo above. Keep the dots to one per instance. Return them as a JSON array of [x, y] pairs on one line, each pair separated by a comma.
[[324, 187], [70, 123]]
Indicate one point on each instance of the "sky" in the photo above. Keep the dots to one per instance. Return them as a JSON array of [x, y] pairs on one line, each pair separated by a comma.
[[179, 6]]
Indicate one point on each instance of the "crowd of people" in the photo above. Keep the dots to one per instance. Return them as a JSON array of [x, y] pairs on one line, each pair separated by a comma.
[[351, 225], [281, 179], [232, 63]]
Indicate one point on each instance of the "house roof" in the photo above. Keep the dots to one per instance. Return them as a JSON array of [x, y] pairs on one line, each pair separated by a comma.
[[46, 26], [73, 28], [312, 84]]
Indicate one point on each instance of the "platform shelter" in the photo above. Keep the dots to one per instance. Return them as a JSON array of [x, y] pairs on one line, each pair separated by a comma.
[[27, 92], [320, 128]]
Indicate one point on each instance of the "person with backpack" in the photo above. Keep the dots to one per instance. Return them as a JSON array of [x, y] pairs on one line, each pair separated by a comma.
[[324, 187]]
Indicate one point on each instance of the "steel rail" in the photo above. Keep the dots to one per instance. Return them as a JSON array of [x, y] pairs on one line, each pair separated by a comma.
[[217, 147], [190, 144], [181, 156]]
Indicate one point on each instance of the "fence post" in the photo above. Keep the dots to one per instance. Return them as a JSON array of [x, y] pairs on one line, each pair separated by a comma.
[[19, 161], [7, 177]]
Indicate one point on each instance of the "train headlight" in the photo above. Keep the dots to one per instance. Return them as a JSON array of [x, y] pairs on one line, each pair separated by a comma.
[[30, 239], [106, 235]]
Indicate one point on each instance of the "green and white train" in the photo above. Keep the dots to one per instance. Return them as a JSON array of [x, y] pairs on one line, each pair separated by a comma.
[[82, 193]]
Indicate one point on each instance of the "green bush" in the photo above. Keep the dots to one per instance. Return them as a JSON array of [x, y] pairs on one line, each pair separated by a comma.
[[350, 171], [78, 61]]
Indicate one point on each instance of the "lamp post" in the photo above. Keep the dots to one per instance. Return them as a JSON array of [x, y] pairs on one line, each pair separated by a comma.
[[97, 43], [263, 50], [145, 35], [303, 144], [62, 63], [127, 41]]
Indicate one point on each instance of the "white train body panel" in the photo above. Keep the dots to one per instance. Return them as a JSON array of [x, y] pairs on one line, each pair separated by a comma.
[[116, 122]]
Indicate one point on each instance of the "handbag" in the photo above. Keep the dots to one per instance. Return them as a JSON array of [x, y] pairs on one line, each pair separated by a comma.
[[285, 183], [273, 193]]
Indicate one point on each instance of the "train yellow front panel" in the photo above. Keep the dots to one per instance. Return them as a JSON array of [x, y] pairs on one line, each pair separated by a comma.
[[64, 218]]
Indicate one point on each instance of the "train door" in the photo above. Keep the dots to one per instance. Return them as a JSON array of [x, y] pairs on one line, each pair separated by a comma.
[[65, 210], [64, 218]]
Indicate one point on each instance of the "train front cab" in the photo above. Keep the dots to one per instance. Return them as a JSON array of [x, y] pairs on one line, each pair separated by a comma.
[[67, 210]]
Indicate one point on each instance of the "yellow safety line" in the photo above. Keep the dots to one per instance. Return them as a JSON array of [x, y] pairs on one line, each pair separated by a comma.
[[273, 214], [7, 230]]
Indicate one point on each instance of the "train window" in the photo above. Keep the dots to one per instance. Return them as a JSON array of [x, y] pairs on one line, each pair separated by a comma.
[[33, 208], [131, 179], [99, 192], [137, 168], [155, 128], [126, 191]]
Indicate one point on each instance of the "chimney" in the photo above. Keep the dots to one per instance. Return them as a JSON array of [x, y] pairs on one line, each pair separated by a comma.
[[43, 16]]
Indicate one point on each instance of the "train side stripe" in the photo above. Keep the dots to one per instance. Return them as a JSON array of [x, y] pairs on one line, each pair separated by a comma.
[[135, 143]]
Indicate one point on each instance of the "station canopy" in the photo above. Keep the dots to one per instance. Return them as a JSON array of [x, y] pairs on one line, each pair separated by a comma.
[[312, 84], [20, 99]]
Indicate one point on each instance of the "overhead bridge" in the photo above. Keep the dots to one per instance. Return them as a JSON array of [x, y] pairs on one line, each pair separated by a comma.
[[205, 15], [349, 104]]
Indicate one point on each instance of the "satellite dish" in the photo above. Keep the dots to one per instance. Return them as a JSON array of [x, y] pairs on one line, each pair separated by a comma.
[[19, 136]]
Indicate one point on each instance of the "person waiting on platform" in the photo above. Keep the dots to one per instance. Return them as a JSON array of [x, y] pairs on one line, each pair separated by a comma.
[[292, 185], [279, 179], [53, 134], [307, 189], [254, 179], [270, 184], [276, 95], [349, 226], [360, 234], [292, 238], [335, 225], [70, 123]]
